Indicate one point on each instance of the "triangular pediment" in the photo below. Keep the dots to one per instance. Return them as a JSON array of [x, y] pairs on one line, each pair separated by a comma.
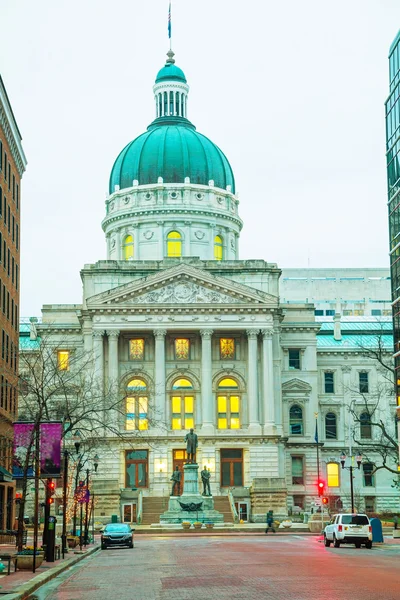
[[296, 385], [182, 284]]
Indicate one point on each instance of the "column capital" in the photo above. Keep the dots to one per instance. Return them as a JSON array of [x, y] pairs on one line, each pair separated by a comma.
[[159, 333], [98, 334], [206, 333], [113, 333], [252, 333], [267, 333]]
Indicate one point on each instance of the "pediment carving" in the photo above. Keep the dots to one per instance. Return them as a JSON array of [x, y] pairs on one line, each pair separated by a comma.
[[297, 386]]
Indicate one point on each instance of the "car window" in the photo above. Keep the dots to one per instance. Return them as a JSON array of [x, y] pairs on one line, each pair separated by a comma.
[[355, 520], [118, 527]]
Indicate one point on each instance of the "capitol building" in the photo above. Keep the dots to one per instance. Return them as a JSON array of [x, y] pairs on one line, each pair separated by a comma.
[[190, 335]]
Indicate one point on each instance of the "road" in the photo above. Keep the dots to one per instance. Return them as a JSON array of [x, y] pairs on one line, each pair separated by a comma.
[[238, 568]]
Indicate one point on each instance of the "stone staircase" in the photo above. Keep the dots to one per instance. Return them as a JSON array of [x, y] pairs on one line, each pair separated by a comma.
[[152, 509], [222, 505]]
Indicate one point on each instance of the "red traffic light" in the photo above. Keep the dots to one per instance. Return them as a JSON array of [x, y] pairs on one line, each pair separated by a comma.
[[321, 487], [50, 500], [325, 500]]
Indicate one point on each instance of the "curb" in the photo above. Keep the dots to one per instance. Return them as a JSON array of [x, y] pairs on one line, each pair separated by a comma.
[[26, 589]]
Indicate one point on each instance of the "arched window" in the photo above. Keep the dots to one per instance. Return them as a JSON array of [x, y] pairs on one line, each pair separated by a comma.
[[296, 420], [182, 106], [171, 103], [330, 426], [182, 404], [365, 426], [128, 247], [228, 404], [159, 105], [165, 104], [177, 103], [136, 405], [174, 244], [218, 248], [332, 472]]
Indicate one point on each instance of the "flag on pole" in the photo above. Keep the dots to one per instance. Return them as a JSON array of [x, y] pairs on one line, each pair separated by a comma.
[[169, 21], [316, 431]]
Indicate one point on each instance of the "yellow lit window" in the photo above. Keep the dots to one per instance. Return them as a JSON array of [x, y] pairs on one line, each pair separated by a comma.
[[136, 349], [182, 405], [63, 360], [332, 470], [227, 348], [218, 248], [228, 405], [128, 247], [182, 384], [137, 404], [174, 244], [182, 347]]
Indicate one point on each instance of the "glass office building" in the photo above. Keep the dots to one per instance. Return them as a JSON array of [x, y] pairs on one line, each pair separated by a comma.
[[393, 179]]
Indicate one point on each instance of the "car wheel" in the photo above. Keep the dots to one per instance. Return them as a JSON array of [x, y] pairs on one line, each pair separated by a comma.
[[130, 546], [368, 545], [358, 544], [103, 547], [327, 542], [336, 542]]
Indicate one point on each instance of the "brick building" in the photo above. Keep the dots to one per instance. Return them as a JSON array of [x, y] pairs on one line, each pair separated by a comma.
[[12, 166]]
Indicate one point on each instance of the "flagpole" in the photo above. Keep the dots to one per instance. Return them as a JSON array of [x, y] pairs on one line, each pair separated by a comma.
[[170, 27], [317, 442]]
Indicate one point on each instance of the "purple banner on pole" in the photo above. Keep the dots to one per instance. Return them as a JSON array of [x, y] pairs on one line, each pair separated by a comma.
[[24, 443], [50, 449]]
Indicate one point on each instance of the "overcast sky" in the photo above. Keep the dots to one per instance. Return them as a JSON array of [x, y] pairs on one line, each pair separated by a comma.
[[292, 91]]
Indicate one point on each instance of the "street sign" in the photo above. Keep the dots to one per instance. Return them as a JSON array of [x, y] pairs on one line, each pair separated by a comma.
[[317, 502]]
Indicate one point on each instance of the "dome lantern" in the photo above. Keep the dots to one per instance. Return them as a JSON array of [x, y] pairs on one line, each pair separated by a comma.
[[171, 90]]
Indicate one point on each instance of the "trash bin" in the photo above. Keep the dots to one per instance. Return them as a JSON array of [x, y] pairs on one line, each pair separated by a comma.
[[114, 518], [377, 534]]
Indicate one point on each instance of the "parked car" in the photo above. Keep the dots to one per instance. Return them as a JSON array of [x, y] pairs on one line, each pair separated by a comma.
[[348, 529], [117, 534]]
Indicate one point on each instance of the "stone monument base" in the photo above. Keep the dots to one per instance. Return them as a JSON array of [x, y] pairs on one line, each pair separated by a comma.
[[205, 504]]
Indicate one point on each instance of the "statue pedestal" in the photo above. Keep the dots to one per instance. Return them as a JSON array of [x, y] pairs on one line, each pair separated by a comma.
[[195, 506]]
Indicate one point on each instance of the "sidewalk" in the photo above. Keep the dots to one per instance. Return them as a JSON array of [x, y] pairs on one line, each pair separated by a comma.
[[22, 583]]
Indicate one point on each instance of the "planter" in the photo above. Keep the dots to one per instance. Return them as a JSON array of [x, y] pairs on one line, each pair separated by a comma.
[[197, 526], [25, 561], [209, 525], [186, 526], [286, 524], [72, 542]]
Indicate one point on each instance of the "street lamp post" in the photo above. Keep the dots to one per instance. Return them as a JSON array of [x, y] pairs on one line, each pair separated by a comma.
[[350, 469], [96, 460]]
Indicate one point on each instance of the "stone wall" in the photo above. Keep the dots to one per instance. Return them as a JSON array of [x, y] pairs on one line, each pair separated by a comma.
[[268, 493]]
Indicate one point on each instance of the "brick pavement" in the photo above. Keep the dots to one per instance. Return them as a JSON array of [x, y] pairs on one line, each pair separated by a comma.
[[252, 568]]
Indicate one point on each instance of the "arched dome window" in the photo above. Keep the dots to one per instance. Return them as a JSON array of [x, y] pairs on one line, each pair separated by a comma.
[[174, 244], [330, 426], [182, 404], [296, 420], [228, 404], [136, 405], [128, 247], [218, 248]]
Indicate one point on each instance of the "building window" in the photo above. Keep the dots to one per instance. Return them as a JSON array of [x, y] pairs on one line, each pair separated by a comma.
[[365, 426], [297, 470], [294, 359], [228, 403], [296, 420], [375, 312], [329, 382], [174, 244], [128, 247], [136, 349], [332, 472], [369, 479], [227, 349], [136, 405], [319, 313], [218, 248], [182, 404], [136, 467], [370, 505], [231, 467], [298, 503], [330, 313], [182, 349], [330, 426], [63, 360], [363, 381]]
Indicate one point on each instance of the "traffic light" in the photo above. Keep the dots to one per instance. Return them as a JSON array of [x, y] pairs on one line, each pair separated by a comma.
[[325, 500], [321, 488], [50, 491]]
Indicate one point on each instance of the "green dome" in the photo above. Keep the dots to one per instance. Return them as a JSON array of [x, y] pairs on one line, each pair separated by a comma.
[[170, 72], [171, 148]]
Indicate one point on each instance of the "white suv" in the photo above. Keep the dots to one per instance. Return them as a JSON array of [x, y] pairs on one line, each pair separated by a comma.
[[348, 529]]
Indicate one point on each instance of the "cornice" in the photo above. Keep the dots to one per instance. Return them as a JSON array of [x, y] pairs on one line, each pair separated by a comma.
[[10, 128]]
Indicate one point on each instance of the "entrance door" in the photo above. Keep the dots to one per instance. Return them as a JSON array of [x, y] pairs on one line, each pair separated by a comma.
[[231, 468], [242, 511], [129, 513], [179, 458]]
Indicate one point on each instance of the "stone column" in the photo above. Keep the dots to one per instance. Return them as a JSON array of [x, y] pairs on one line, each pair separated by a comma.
[[252, 385], [159, 396], [87, 335], [113, 336], [207, 404], [98, 352], [268, 381]]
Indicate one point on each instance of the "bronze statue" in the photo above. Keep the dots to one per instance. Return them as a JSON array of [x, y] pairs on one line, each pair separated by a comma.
[[205, 478], [176, 478], [191, 446]]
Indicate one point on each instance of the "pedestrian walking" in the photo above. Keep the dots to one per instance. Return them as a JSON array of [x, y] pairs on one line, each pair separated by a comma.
[[270, 521], [395, 521]]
